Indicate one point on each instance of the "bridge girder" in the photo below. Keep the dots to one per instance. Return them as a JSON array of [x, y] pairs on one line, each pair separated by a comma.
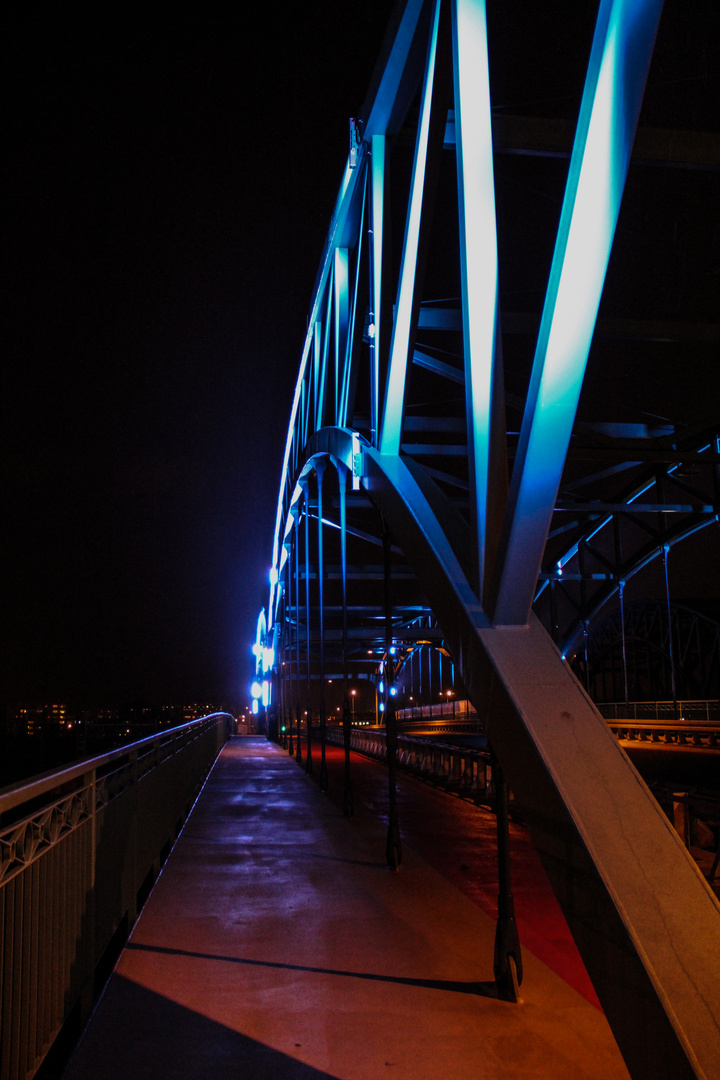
[[407, 399]]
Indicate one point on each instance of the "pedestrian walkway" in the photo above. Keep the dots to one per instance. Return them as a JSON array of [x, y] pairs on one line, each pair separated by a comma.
[[277, 945]]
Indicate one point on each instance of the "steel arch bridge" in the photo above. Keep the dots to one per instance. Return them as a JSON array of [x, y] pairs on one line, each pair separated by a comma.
[[410, 500]]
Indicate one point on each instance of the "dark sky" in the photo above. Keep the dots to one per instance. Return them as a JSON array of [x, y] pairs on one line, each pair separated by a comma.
[[171, 178]]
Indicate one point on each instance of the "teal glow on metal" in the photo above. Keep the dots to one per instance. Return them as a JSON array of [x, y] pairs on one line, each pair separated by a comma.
[[397, 368], [619, 61], [377, 179], [341, 298], [478, 240]]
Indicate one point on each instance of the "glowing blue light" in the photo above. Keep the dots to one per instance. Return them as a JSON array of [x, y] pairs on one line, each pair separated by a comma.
[[255, 707], [478, 239], [381, 707], [381, 687], [399, 348], [393, 691], [256, 690], [610, 106], [392, 650], [273, 575], [266, 693], [268, 659]]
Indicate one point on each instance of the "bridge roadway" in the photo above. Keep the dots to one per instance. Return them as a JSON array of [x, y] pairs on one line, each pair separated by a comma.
[[276, 944]]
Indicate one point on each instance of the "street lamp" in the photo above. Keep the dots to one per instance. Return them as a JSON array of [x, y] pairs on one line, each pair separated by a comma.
[[352, 702]]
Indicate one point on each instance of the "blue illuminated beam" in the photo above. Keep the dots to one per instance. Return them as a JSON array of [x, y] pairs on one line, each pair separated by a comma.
[[478, 245], [619, 62], [402, 331]]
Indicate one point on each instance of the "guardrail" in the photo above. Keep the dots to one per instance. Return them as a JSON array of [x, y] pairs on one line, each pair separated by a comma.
[[427, 727], [466, 772], [691, 710], [456, 708], [678, 733], [79, 851]]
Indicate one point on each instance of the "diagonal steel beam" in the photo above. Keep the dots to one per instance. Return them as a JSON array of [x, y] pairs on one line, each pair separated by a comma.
[[619, 61], [645, 921]]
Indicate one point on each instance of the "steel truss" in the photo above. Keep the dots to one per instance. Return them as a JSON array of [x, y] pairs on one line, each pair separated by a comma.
[[395, 502], [645, 654]]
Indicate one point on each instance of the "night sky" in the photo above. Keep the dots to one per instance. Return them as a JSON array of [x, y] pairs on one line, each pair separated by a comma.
[[171, 181]]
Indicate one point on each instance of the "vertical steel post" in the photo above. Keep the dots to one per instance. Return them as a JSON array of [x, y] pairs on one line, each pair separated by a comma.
[[673, 685], [320, 472], [308, 756], [507, 963], [348, 803], [624, 647], [288, 652], [298, 755], [394, 847]]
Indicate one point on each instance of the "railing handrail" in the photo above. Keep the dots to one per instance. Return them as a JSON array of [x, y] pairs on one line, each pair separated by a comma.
[[80, 850], [15, 794]]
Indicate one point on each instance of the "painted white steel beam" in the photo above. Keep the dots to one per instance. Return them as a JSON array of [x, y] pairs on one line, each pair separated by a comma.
[[478, 245], [645, 921], [619, 62], [391, 426], [377, 220]]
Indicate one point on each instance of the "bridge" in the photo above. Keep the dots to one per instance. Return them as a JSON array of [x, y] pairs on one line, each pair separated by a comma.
[[473, 498], [480, 484]]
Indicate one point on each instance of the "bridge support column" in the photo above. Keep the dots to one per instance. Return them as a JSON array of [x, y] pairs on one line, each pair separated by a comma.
[[298, 755], [348, 803], [308, 755], [320, 471], [507, 961], [394, 846]]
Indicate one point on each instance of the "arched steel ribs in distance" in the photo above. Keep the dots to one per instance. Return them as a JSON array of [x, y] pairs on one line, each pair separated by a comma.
[[404, 392]]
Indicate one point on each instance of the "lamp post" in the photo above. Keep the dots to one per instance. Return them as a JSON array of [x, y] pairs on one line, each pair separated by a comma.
[[352, 703]]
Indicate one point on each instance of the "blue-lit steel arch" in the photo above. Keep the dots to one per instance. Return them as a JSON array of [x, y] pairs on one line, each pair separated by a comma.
[[407, 393]]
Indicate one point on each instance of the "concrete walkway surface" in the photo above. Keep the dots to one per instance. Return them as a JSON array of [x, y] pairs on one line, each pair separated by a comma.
[[277, 945]]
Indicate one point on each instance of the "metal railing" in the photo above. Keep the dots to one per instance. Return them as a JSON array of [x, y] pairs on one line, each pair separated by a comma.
[[464, 771], [692, 710], [448, 708], [679, 733], [79, 850]]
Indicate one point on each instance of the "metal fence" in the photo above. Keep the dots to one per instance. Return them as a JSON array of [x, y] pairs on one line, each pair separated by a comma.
[[464, 771], [448, 708], [661, 710], [79, 850]]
